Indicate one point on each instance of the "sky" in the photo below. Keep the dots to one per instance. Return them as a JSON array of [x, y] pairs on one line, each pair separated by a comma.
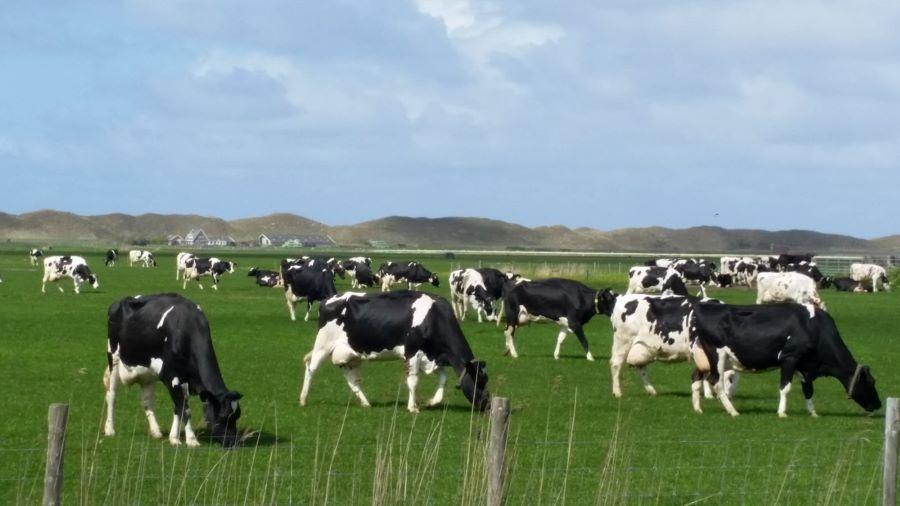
[[741, 114]]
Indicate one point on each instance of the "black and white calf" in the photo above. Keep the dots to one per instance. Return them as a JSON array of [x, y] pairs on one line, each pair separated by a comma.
[[874, 273], [467, 287], [417, 328], [412, 273], [166, 338], [196, 268], [306, 283], [778, 336], [360, 271], [264, 277], [181, 263], [35, 255], [111, 256], [568, 303], [645, 279], [68, 266], [848, 285], [139, 256]]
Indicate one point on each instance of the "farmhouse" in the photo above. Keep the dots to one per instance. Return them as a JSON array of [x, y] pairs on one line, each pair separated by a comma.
[[295, 240]]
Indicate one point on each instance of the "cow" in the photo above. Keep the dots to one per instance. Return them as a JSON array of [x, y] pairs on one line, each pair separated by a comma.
[[778, 336], [166, 338], [34, 255], [68, 266], [181, 263], [667, 262], [809, 269], [644, 279], [360, 271], [781, 262], [702, 273], [654, 328], [141, 256], [848, 285], [311, 284], [333, 265], [264, 277], [413, 273], [467, 287], [568, 303], [196, 268], [788, 287], [496, 283], [875, 273], [416, 327], [725, 280], [727, 264], [111, 256], [747, 269]]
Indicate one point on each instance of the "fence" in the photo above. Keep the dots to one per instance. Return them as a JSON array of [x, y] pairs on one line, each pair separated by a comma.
[[504, 468]]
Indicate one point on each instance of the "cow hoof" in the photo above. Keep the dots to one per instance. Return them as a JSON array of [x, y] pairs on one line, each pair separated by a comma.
[[651, 390], [156, 435], [735, 414], [175, 442], [109, 432], [193, 443], [590, 357], [698, 411], [782, 415], [617, 395], [813, 414], [414, 410], [365, 404], [555, 357]]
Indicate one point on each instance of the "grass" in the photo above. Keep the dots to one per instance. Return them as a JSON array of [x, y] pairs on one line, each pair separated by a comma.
[[570, 441]]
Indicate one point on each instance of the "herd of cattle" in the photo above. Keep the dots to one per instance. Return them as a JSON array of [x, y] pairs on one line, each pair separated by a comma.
[[166, 337]]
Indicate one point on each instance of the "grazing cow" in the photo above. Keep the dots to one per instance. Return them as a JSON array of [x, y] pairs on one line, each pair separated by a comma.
[[111, 256], [196, 268], [35, 255], [467, 287], [782, 336], [568, 303], [875, 273], [653, 328], [643, 279], [306, 283], [265, 278], [141, 256], [166, 338], [181, 263], [848, 285], [416, 327], [701, 273], [360, 271], [68, 266], [413, 273], [788, 287], [809, 269]]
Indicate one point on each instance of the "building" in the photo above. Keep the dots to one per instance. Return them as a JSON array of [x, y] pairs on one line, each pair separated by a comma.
[[175, 240], [196, 237], [225, 240], [295, 240]]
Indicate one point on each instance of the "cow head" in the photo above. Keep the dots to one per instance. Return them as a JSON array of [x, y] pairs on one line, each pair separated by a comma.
[[826, 282], [253, 271], [862, 389], [885, 282], [435, 280], [222, 412], [605, 302], [674, 284], [482, 300], [473, 383], [84, 275]]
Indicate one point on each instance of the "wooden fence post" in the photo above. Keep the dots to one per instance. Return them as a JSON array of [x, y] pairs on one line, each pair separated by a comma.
[[57, 418], [891, 426], [497, 450]]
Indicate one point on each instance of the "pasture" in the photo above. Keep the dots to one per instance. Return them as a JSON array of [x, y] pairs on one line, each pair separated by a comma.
[[570, 440]]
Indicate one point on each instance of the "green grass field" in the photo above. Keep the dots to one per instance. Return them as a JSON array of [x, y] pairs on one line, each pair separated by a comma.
[[570, 440]]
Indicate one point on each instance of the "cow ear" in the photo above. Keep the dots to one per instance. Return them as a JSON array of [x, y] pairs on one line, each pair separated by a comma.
[[233, 396]]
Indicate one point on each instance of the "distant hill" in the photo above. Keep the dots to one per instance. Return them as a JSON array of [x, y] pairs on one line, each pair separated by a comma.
[[440, 233]]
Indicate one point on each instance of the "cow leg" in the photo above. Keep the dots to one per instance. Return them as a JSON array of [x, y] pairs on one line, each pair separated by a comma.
[[715, 377], [179, 402], [697, 379], [731, 380], [308, 309], [498, 312], [616, 359], [638, 357], [808, 395], [707, 389], [510, 345], [148, 400], [110, 381], [215, 282], [412, 380], [579, 333], [351, 374], [315, 359], [559, 340], [787, 374], [290, 304], [439, 393]]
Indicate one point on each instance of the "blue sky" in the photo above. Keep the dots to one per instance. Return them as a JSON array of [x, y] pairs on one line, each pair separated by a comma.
[[609, 114]]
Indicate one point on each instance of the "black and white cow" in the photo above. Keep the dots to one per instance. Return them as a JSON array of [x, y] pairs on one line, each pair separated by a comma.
[[646, 279], [35, 255], [309, 283], [264, 277], [196, 268], [654, 328], [778, 336], [568, 303], [781, 262], [496, 283], [68, 266], [874, 273], [847, 285], [333, 265], [467, 288], [111, 256], [181, 263], [788, 287], [746, 271], [809, 269], [416, 327], [412, 273], [139, 256], [166, 338], [360, 271]]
